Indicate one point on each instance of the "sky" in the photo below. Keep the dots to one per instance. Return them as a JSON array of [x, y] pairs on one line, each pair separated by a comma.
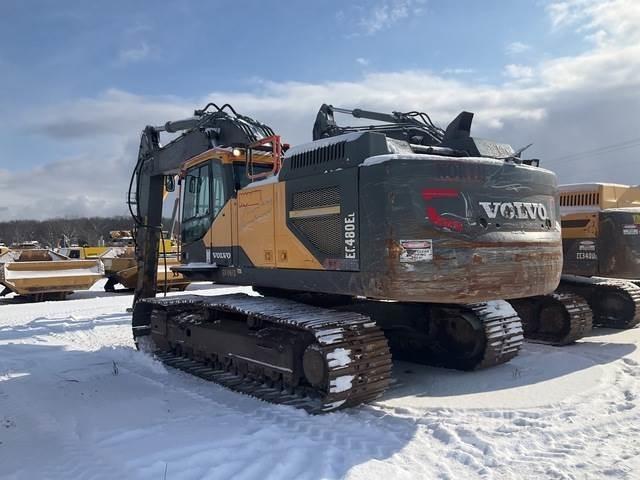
[[80, 80]]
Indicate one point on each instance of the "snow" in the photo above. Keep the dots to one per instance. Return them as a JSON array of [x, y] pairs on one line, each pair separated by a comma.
[[78, 401], [339, 357], [499, 308], [378, 159], [341, 384]]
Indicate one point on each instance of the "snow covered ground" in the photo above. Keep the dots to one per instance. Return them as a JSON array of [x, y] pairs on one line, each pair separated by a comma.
[[77, 401]]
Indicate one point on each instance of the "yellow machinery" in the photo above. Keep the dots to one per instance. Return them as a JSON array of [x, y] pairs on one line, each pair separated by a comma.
[[601, 267], [401, 238], [82, 253], [42, 274], [120, 267]]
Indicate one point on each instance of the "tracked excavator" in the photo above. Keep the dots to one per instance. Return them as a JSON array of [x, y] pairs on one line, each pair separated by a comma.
[[397, 235], [601, 271]]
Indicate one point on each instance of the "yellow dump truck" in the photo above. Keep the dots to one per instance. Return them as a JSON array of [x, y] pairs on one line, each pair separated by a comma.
[[42, 274]]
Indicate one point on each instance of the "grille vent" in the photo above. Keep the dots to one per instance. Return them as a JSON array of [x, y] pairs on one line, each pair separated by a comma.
[[320, 155], [321, 197], [579, 199], [324, 232]]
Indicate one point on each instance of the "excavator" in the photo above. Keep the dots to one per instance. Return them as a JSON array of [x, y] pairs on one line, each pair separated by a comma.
[[399, 237], [601, 271]]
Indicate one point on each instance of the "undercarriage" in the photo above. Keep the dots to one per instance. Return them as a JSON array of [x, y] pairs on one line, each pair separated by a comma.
[[318, 358]]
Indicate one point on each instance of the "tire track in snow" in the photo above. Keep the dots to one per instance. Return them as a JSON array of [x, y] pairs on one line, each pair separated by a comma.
[[329, 442]]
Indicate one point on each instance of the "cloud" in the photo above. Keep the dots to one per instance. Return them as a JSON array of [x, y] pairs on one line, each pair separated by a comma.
[[602, 21], [516, 48], [457, 71], [362, 61], [133, 54], [565, 105], [114, 112], [387, 13], [77, 186], [518, 71]]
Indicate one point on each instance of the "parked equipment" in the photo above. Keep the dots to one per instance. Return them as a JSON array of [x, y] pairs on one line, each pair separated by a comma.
[[41, 274], [601, 271], [120, 264], [120, 267], [401, 233]]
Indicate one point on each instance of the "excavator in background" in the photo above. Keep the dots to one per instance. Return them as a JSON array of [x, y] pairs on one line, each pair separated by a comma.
[[403, 235], [601, 270]]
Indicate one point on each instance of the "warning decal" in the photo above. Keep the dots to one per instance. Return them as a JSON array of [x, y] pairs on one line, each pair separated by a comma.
[[416, 251]]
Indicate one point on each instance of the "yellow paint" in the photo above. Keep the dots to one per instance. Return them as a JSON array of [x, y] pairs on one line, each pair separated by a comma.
[[256, 221], [599, 196], [256, 224], [314, 212], [221, 231], [590, 230], [291, 252]]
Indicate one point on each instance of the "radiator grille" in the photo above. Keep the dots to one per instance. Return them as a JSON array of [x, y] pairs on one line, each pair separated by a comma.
[[324, 232], [579, 199], [321, 197]]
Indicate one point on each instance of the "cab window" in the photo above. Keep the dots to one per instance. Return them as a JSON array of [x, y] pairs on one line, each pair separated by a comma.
[[203, 199]]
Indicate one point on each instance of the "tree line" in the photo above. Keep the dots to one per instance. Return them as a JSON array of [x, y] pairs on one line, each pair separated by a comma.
[[50, 233]]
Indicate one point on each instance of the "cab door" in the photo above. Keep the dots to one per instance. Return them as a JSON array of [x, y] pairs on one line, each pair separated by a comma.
[[219, 240], [204, 236]]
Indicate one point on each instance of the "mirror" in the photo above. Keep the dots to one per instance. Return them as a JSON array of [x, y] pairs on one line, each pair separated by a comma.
[[169, 183]]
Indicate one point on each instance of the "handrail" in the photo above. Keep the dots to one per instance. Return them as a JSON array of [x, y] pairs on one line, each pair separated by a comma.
[[276, 154]]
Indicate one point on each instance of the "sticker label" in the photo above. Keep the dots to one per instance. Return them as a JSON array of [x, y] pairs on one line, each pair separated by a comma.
[[630, 230], [416, 251], [587, 246]]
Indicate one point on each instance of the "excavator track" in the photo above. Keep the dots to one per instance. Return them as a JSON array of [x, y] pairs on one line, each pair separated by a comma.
[[503, 330], [338, 359], [463, 337], [557, 319], [614, 303]]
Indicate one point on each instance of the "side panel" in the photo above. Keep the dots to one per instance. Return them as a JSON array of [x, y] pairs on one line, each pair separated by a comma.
[[579, 244], [256, 229], [619, 244], [323, 213], [291, 252]]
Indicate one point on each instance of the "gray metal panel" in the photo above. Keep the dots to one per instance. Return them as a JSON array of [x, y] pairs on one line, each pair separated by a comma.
[[318, 157]]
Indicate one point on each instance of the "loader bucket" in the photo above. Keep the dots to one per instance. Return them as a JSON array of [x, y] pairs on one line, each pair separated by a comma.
[[42, 272]]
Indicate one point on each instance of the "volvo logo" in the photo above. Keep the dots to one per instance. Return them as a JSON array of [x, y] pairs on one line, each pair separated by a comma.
[[513, 210]]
